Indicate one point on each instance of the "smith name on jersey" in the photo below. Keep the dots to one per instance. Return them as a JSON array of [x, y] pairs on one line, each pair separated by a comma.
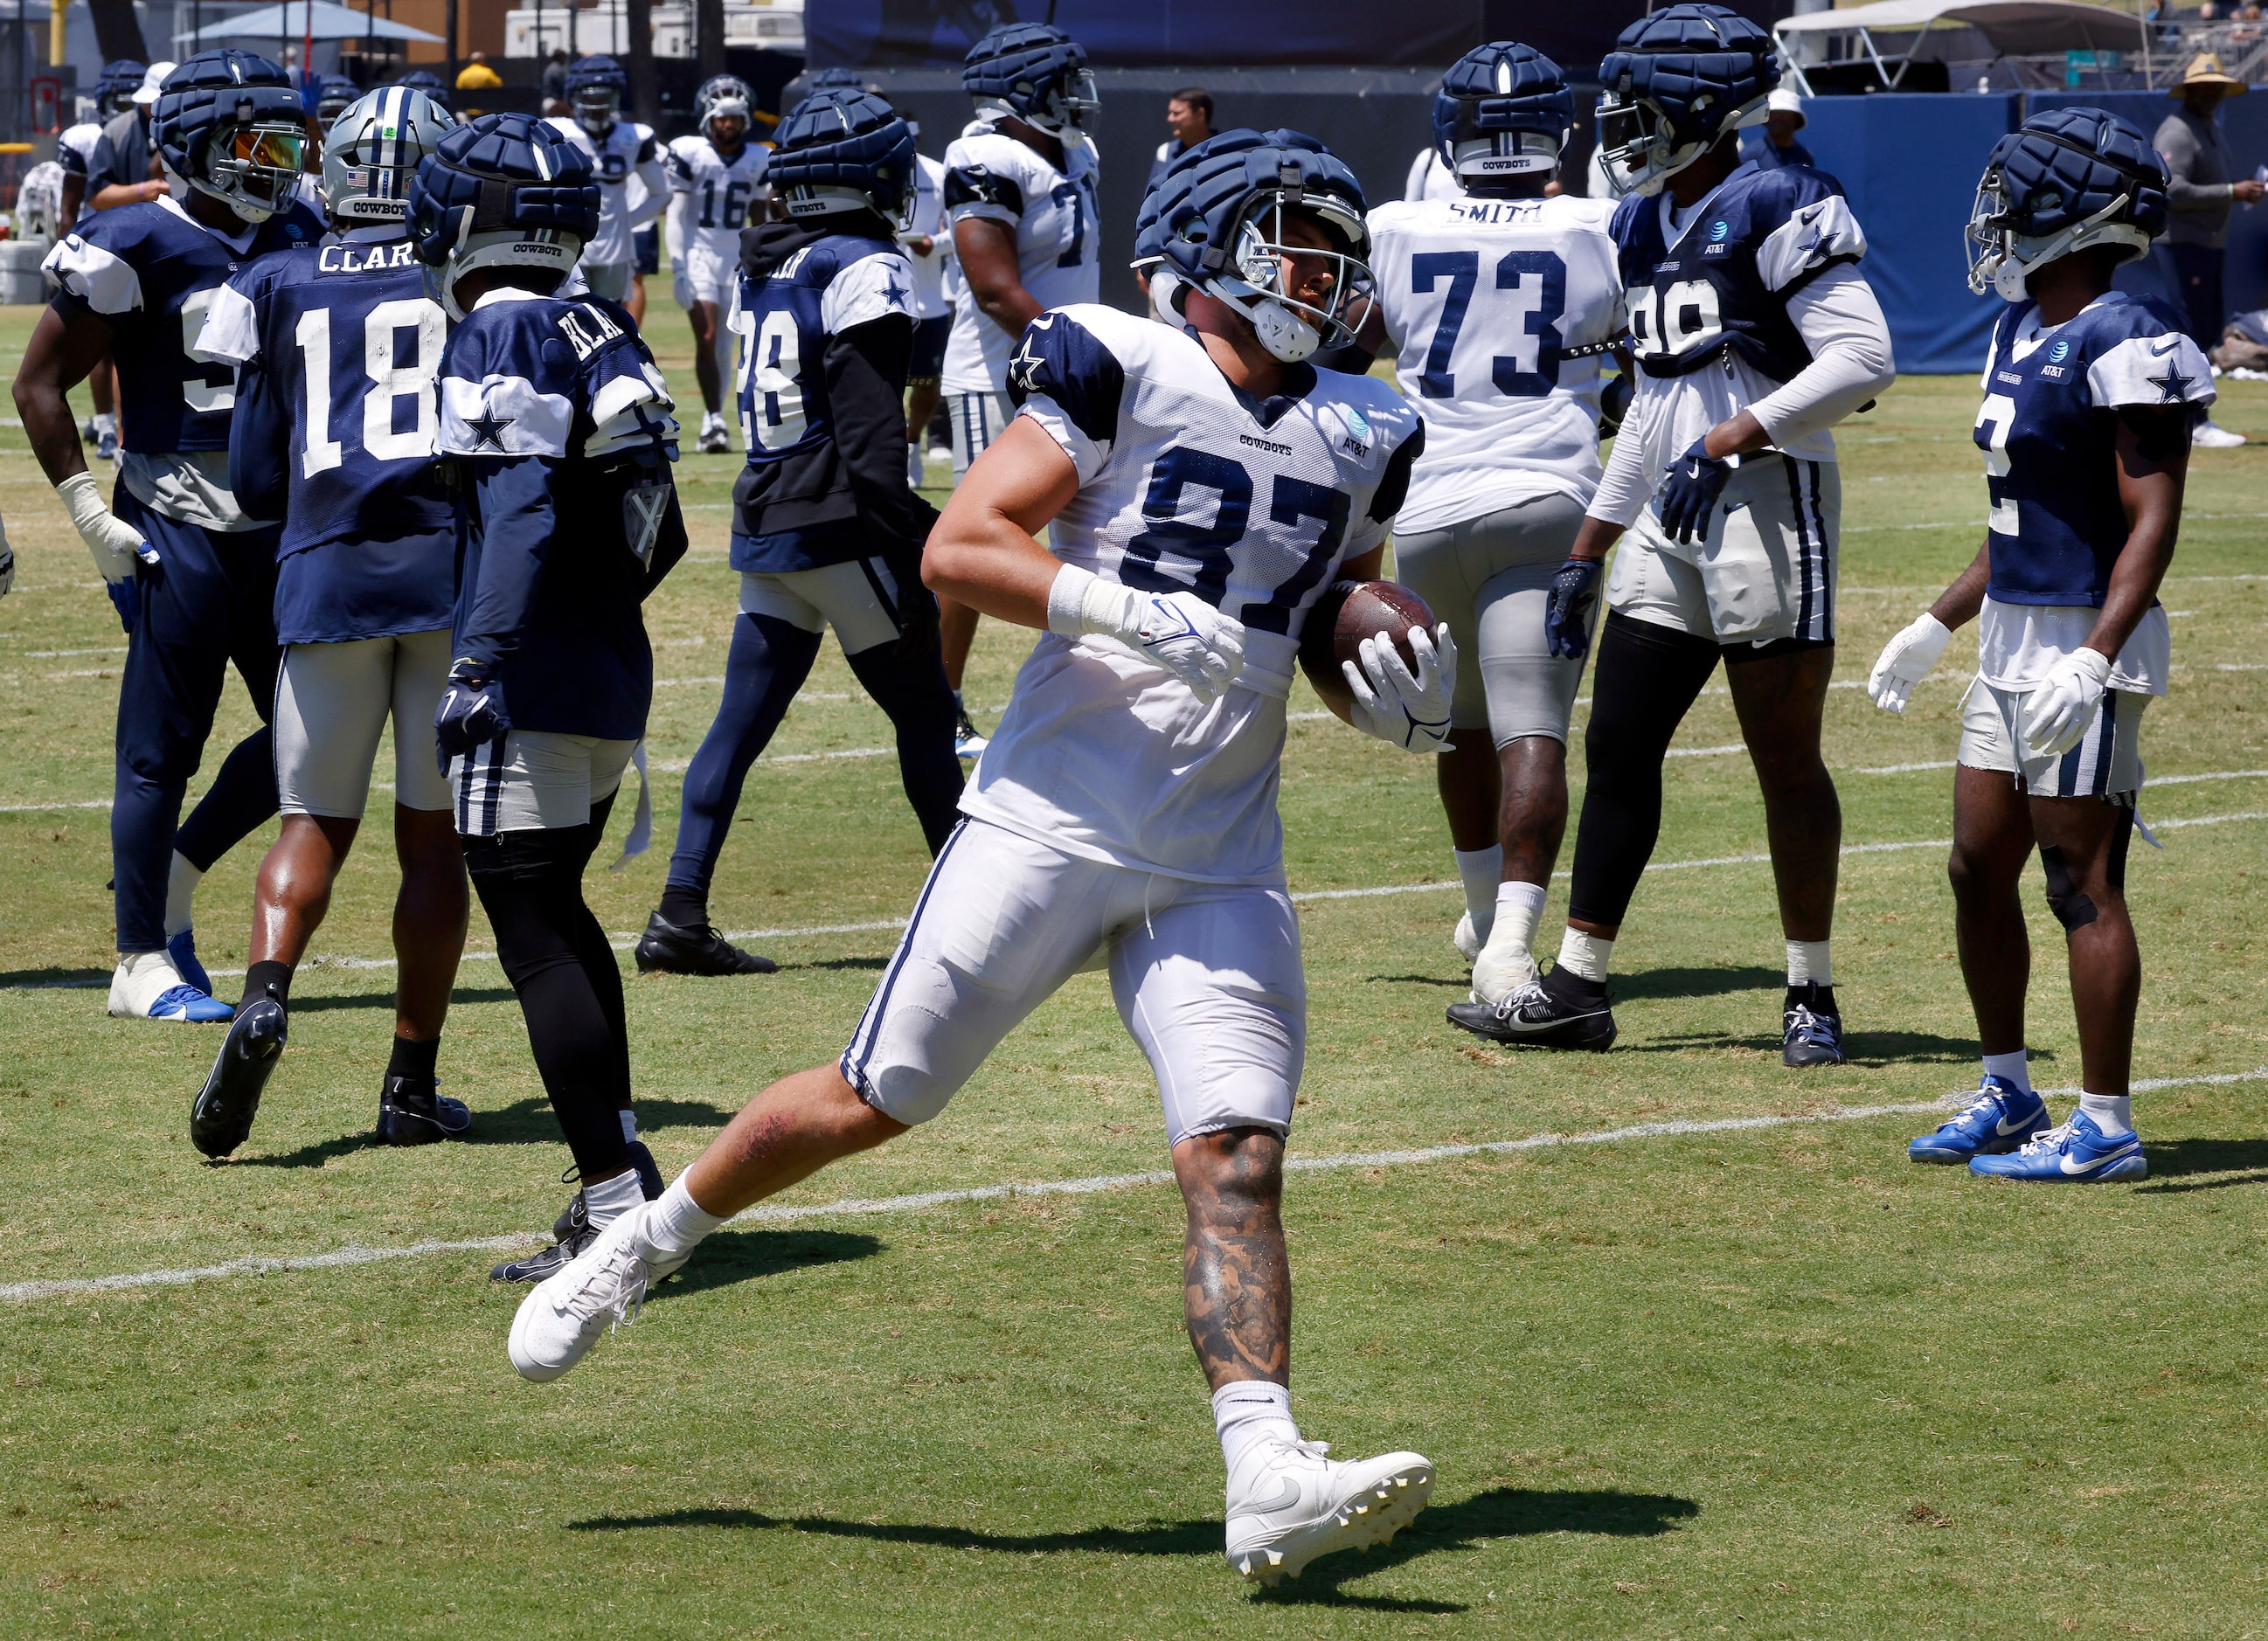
[[1482, 299], [154, 272], [795, 508], [2049, 429], [336, 433], [1186, 484], [1052, 214], [561, 423]]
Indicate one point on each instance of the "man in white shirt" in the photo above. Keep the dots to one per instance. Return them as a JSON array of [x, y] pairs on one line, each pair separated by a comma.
[[715, 175], [929, 247], [624, 155], [1019, 190]]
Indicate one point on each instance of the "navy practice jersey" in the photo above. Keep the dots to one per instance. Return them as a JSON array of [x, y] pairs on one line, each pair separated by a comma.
[[2048, 431], [560, 424], [1723, 282], [336, 426], [784, 317], [153, 272]]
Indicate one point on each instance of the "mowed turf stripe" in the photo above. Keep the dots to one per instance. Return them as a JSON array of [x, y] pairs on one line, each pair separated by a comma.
[[624, 942], [256, 1265]]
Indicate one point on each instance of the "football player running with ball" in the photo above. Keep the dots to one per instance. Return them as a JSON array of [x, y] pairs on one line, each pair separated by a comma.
[[826, 531], [1202, 484], [338, 355], [1754, 333], [1482, 297], [194, 578], [1020, 193], [715, 176], [2089, 396], [559, 428]]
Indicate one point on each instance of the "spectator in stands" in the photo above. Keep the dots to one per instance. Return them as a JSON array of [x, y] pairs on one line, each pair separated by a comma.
[[1189, 116], [554, 83], [2204, 185], [1777, 145]]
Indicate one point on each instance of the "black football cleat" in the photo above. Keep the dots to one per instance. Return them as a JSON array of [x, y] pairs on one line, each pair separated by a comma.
[[1811, 1030], [413, 1112], [1560, 1011], [572, 1232], [669, 948], [220, 1117]]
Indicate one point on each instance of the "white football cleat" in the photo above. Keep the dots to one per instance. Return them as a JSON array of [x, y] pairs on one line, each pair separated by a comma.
[[1467, 940], [1500, 969], [2211, 435], [600, 1290], [1288, 1504]]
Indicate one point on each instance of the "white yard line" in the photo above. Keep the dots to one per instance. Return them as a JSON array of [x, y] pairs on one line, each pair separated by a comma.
[[623, 942], [849, 1207]]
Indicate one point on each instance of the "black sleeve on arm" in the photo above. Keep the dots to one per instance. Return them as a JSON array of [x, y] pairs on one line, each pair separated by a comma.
[[864, 369], [1394, 485], [514, 499], [1351, 356]]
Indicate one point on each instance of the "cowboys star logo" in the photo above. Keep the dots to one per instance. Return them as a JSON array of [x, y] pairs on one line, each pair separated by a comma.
[[1024, 369]]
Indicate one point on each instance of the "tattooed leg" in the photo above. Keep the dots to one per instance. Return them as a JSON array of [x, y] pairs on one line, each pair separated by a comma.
[[1236, 1278]]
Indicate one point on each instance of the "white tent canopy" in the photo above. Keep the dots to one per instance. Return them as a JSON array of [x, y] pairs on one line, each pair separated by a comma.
[[299, 19], [2011, 28]]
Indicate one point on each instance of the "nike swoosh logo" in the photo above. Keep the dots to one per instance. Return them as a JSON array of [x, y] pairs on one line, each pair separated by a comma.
[[2004, 1128], [1283, 1500], [2172, 343], [2071, 1164]]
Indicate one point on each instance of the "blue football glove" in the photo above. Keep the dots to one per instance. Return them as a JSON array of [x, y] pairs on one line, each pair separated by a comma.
[[126, 596], [472, 711], [1696, 480], [1567, 608]]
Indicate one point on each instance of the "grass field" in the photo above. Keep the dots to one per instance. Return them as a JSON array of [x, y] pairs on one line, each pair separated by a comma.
[[1763, 1380]]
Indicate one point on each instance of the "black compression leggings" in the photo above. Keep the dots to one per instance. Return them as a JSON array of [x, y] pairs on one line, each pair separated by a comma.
[[564, 974], [1645, 680]]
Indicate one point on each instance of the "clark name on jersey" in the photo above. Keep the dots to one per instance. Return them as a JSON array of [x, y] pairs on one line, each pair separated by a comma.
[[1185, 485]]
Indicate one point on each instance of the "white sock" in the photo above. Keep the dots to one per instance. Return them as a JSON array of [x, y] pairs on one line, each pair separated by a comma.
[[1807, 964], [2010, 1068], [181, 895], [1480, 868], [142, 978], [1249, 1411], [610, 1200], [1585, 955], [106, 422], [676, 1222], [1519, 908], [2113, 1114], [629, 1125]]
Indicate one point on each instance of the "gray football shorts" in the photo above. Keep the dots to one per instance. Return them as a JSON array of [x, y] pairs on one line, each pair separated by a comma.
[[1489, 578]]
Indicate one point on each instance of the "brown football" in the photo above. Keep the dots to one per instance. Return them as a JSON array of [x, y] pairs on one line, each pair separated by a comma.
[[1348, 613]]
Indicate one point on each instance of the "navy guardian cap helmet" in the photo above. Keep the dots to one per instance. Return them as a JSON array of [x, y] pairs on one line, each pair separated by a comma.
[[229, 124], [1504, 110], [1216, 221], [424, 80], [595, 88], [2062, 181], [843, 149], [115, 85], [1675, 85], [504, 190], [1034, 71]]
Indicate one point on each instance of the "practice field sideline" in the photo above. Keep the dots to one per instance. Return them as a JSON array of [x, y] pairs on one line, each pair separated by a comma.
[[1696, 1350]]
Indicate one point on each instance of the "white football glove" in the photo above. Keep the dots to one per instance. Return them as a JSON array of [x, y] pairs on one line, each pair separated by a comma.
[[1411, 710], [1905, 660], [2057, 712], [114, 543], [1180, 631]]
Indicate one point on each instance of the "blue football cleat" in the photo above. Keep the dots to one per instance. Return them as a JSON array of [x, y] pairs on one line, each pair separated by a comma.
[[2077, 1151], [2000, 1118], [192, 1003], [182, 948]]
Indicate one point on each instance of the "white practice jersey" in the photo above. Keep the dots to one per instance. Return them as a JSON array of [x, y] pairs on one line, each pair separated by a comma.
[[1185, 485], [709, 195], [1481, 298], [632, 188], [1052, 214], [931, 299], [1431, 179]]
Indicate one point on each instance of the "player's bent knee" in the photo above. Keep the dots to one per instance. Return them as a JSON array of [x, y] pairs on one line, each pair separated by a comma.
[[2072, 906]]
